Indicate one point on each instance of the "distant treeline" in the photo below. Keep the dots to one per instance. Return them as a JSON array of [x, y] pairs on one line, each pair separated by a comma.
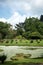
[[32, 28]]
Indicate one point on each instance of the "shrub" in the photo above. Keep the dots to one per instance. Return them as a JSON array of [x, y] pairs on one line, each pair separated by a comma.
[[7, 41], [3, 58], [16, 42], [12, 41], [19, 37], [31, 41], [38, 41]]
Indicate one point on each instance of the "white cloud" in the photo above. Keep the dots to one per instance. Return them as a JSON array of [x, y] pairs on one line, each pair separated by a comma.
[[25, 6], [3, 20], [21, 9], [39, 3], [17, 5], [16, 18]]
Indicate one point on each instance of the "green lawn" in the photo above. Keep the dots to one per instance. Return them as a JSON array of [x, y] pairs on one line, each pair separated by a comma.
[[21, 42], [26, 61], [30, 61]]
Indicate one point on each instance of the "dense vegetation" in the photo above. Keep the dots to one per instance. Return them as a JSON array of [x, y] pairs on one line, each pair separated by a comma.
[[32, 28], [6, 31]]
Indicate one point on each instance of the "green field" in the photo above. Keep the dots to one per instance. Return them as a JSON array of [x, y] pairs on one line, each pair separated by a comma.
[[21, 42]]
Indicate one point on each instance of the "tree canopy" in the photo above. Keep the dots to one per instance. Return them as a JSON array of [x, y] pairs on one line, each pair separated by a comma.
[[31, 28], [6, 31]]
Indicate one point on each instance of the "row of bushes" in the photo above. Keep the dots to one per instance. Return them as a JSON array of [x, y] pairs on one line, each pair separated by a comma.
[[12, 40]]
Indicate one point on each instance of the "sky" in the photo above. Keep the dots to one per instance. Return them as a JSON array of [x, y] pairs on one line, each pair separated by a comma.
[[15, 11]]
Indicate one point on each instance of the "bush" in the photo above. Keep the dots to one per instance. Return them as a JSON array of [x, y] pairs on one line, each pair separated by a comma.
[[31, 41], [3, 58], [7, 41], [12, 41], [38, 41], [19, 37]]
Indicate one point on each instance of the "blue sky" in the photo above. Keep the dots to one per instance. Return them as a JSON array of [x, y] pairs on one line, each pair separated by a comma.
[[5, 12], [15, 11]]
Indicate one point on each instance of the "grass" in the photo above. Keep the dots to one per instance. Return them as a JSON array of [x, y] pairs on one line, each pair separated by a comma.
[[21, 42], [23, 62], [22, 58], [29, 60], [7, 63], [1, 50]]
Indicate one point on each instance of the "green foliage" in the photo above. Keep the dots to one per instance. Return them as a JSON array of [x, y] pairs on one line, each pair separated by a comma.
[[0, 36], [20, 28], [19, 37], [31, 41], [7, 41], [6, 31], [3, 58], [12, 41], [31, 28]]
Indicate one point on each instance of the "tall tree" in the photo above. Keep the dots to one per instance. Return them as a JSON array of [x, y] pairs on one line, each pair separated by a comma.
[[4, 29], [30, 27]]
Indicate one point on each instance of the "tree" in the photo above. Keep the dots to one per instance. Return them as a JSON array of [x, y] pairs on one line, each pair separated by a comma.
[[31, 28], [41, 18], [4, 29], [20, 28]]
